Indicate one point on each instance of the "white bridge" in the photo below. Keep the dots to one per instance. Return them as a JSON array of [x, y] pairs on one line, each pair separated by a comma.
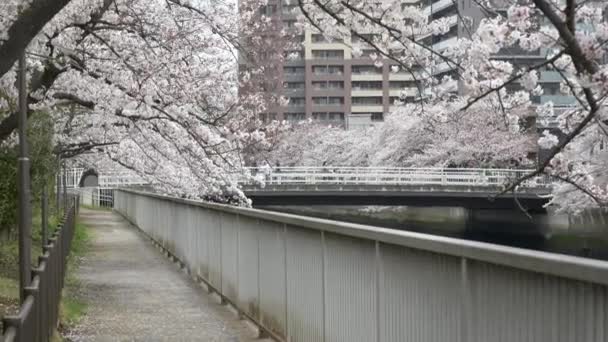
[[352, 185], [94, 187], [108, 179], [389, 186], [444, 177]]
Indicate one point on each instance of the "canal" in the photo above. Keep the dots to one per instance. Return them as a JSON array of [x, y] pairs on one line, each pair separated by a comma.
[[585, 236]]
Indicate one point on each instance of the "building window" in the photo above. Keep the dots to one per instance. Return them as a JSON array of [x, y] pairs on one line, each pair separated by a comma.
[[551, 88], [321, 85], [319, 116], [328, 54], [297, 101], [366, 70], [295, 116], [367, 85], [328, 70], [377, 117], [290, 23], [335, 85], [333, 116], [267, 117], [293, 85], [318, 38], [336, 116], [367, 101], [268, 10], [332, 101], [293, 71]]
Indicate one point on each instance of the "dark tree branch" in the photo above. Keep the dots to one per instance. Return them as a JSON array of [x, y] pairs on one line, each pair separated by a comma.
[[25, 28], [75, 99], [72, 150]]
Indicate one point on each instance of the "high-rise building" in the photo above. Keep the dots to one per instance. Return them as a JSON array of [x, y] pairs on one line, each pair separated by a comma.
[[324, 81]]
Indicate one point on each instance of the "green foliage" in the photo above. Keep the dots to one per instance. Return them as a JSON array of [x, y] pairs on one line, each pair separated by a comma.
[[42, 169], [80, 243], [72, 311], [73, 308]]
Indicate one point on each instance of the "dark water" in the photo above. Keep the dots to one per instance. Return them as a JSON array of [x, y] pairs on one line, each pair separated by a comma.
[[582, 236]]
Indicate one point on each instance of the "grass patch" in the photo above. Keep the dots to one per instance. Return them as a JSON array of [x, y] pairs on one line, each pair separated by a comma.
[[72, 311], [72, 308], [9, 263], [9, 296]]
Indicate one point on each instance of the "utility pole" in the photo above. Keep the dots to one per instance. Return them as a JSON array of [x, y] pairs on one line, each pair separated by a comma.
[[25, 210]]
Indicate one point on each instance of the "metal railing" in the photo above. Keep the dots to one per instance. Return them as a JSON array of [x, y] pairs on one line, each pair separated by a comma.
[[39, 313], [95, 196], [445, 177], [106, 179], [307, 279]]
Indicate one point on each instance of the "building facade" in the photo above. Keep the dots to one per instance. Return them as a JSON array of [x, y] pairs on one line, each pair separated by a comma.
[[325, 82]]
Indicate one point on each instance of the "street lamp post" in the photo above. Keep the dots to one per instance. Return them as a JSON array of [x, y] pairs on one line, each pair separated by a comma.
[[25, 210]]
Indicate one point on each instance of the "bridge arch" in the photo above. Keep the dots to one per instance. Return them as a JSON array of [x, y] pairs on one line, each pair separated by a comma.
[[89, 178]]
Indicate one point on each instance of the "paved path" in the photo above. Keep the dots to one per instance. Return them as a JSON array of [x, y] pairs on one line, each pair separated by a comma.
[[135, 294]]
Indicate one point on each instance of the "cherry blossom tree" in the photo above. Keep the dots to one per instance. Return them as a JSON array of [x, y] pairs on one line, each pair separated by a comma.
[[484, 120], [150, 86]]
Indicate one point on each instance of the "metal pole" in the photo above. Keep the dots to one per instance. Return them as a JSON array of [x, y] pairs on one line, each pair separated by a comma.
[[58, 190], [45, 216], [65, 189], [25, 210]]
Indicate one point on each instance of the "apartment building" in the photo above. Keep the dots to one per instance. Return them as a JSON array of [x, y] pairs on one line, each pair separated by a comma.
[[548, 79], [325, 82]]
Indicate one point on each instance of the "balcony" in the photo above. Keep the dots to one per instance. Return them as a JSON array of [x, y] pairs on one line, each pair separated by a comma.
[[558, 100], [442, 45], [550, 77], [367, 77], [438, 6], [367, 108], [366, 92]]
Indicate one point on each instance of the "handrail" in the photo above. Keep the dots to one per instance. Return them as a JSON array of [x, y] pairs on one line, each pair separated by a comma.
[[549, 263], [38, 314], [446, 177]]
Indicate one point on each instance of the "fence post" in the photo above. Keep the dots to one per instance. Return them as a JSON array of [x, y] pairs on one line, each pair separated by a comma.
[[65, 189], [58, 191], [25, 212], [45, 216]]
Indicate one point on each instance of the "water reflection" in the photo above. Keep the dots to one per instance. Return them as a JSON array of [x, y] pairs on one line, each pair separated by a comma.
[[581, 236]]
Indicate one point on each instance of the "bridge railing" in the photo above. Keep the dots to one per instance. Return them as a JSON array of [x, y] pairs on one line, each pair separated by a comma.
[[308, 279], [106, 179], [393, 176], [39, 313], [95, 196]]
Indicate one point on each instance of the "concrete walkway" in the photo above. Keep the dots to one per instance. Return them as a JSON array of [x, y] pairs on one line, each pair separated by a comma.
[[135, 294]]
